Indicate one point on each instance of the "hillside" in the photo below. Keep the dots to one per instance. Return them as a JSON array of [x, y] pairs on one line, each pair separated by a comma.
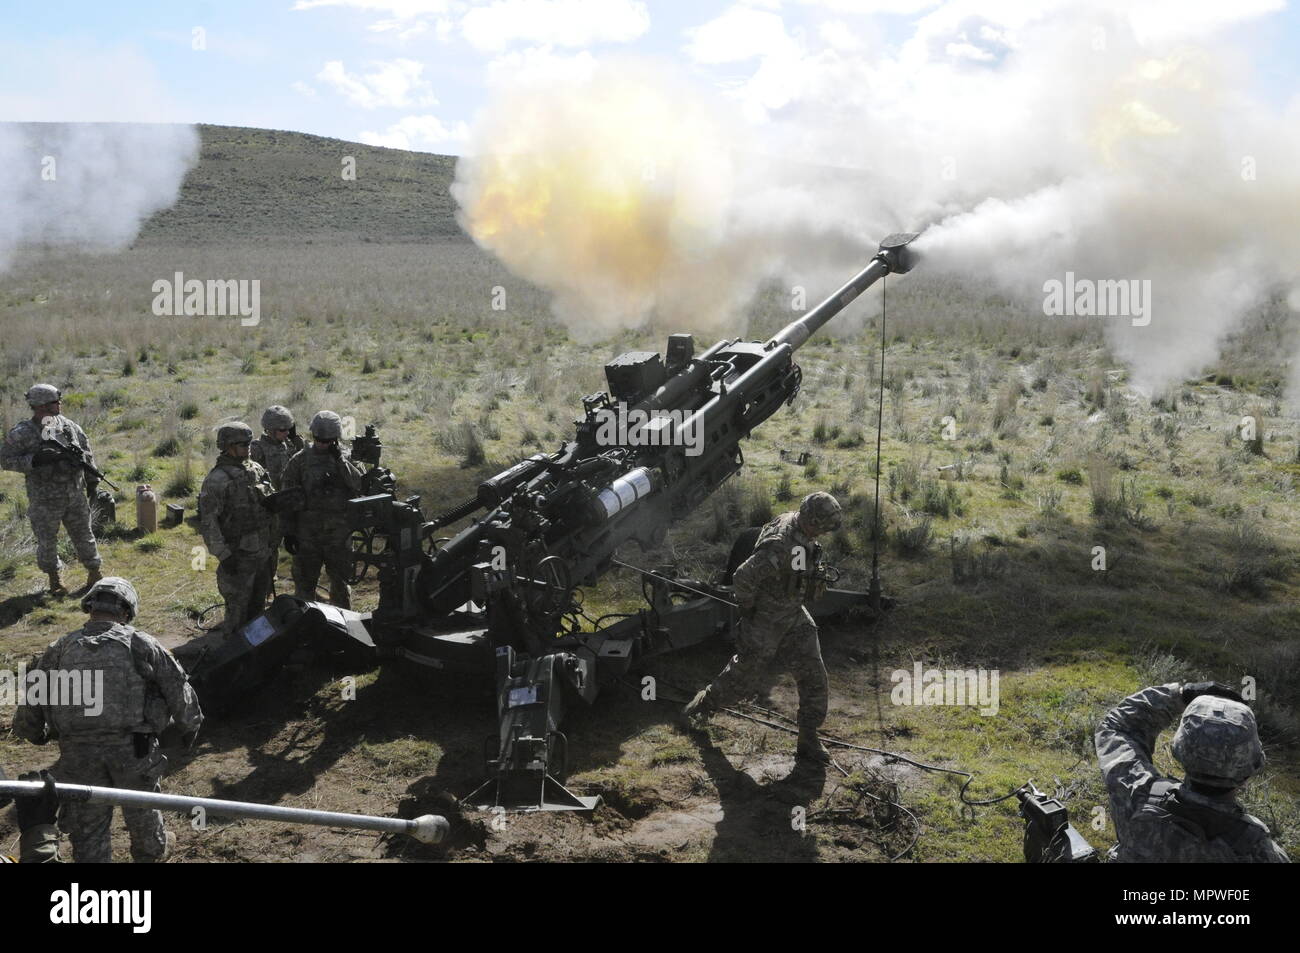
[[263, 185]]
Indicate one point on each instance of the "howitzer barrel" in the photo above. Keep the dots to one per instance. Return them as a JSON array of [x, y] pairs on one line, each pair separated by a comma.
[[893, 257], [428, 829]]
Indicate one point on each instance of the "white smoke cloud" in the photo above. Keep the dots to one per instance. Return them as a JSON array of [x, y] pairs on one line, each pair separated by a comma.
[[1114, 140], [97, 145], [87, 185]]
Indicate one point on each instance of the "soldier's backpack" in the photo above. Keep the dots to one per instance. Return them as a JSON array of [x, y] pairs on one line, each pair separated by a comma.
[[102, 693]]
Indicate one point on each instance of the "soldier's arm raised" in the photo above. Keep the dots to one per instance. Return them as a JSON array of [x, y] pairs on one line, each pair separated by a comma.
[[212, 498], [1126, 737], [351, 474]]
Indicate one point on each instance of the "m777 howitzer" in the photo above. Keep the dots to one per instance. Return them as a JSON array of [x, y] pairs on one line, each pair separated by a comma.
[[500, 598]]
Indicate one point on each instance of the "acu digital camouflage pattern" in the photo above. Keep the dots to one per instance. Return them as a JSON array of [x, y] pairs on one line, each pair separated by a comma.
[[237, 530], [820, 512], [776, 630], [1217, 742], [112, 594], [144, 688], [1164, 821], [329, 479], [56, 494], [273, 456]]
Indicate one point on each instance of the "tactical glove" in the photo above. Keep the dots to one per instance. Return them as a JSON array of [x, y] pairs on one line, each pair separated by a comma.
[[1194, 689], [41, 809]]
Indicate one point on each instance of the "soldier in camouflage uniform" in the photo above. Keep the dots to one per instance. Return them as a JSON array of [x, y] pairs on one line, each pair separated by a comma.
[[272, 451], [1198, 820], [236, 526], [56, 487], [776, 628], [319, 533], [115, 742]]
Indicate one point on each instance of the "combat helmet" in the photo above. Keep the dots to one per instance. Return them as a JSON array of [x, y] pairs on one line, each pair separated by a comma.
[[112, 594], [1217, 742], [327, 425], [820, 512], [234, 432], [277, 418], [38, 395]]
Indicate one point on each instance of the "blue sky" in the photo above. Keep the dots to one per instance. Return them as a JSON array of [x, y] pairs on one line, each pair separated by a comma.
[[413, 73]]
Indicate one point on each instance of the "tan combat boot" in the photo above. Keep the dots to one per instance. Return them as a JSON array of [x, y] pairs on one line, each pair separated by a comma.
[[57, 588], [169, 847], [93, 576], [810, 747]]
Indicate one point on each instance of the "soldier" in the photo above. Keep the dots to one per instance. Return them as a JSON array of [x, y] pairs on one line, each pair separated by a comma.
[[237, 525], [1198, 820], [771, 586], [108, 733], [56, 485], [319, 533], [272, 450]]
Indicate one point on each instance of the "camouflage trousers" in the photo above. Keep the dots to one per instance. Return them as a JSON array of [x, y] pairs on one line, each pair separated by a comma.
[[767, 645], [87, 825], [243, 586], [332, 550], [72, 509]]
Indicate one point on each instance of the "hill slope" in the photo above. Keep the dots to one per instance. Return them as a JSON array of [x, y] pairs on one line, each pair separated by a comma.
[[264, 185]]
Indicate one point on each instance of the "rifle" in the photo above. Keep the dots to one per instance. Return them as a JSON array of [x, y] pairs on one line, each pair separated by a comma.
[[75, 455], [1050, 838]]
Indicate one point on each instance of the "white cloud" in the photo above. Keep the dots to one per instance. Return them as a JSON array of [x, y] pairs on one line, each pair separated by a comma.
[[401, 9], [859, 6], [838, 35], [740, 33], [303, 89], [498, 25], [420, 133], [394, 83], [539, 66], [403, 30]]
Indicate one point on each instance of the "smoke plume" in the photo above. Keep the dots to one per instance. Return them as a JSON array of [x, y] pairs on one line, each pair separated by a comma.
[[1115, 141], [87, 185]]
